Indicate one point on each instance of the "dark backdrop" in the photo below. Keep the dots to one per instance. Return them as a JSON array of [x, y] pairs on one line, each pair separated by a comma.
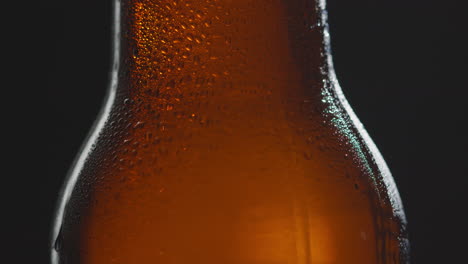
[[402, 65]]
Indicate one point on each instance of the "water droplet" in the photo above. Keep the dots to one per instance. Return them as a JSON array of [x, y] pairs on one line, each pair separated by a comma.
[[203, 120], [307, 156], [170, 84], [58, 244], [148, 136], [139, 124]]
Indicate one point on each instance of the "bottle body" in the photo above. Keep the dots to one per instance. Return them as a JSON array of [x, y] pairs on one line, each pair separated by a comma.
[[225, 139]]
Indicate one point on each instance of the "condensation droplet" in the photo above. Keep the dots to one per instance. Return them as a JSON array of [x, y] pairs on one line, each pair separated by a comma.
[[307, 156], [58, 244], [139, 124]]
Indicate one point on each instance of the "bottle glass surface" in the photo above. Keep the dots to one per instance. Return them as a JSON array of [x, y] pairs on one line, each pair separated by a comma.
[[225, 138]]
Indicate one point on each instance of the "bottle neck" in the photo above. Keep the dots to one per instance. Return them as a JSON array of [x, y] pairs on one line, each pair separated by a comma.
[[174, 49]]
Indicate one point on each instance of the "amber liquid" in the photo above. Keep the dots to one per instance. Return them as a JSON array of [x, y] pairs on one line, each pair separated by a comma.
[[226, 143]]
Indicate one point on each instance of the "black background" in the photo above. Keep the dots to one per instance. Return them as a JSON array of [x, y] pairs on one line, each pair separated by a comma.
[[402, 65]]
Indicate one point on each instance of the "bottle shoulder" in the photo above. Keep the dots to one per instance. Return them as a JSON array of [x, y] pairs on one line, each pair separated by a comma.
[[144, 136]]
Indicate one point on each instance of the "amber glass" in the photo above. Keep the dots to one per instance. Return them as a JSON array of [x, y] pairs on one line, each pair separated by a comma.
[[225, 139]]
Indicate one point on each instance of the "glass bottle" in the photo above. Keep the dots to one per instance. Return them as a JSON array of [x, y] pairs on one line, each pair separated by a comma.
[[225, 138]]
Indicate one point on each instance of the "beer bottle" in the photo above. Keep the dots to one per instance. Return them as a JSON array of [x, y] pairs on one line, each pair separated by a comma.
[[225, 138]]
